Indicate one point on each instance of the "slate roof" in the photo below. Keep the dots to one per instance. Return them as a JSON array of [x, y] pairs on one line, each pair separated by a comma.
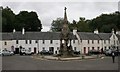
[[7, 36], [118, 37], [105, 36], [88, 36], [53, 36]]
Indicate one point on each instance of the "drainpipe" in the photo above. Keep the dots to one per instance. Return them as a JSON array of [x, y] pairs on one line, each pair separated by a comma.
[[38, 46]]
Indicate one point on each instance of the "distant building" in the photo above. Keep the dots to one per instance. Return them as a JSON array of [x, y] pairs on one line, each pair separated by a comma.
[[38, 41]]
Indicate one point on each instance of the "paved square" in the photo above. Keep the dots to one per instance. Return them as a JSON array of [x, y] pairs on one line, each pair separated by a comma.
[[29, 63]]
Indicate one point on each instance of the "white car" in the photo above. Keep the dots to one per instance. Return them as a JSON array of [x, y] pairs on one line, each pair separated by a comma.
[[6, 53], [28, 52], [11, 52], [0, 53]]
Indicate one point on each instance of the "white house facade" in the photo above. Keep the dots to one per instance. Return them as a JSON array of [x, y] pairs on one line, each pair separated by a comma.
[[38, 41]]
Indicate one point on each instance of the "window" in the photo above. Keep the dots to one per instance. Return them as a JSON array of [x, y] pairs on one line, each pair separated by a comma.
[[57, 48], [92, 48], [104, 41], [98, 48], [16, 41], [92, 41], [73, 41], [81, 41], [29, 49], [88, 41], [117, 42], [88, 48], [74, 48], [43, 48], [114, 42], [109, 41], [43, 41], [113, 37], [30, 41], [105, 48], [5, 43], [26, 41], [36, 41], [51, 41], [98, 41]]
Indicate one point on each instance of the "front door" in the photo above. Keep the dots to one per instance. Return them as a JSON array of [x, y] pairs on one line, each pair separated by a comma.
[[35, 50], [51, 49], [84, 50], [17, 51], [12, 48]]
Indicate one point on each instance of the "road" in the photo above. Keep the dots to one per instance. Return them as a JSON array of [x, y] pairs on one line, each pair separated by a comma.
[[29, 63]]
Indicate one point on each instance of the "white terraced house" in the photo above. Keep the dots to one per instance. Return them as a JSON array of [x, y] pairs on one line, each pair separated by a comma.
[[37, 41]]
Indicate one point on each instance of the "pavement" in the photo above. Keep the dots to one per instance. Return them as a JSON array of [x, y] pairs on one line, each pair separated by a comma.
[[66, 59], [30, 63]]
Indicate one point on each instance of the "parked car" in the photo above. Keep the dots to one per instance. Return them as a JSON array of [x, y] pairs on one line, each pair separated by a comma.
[[94, 52], [6, 53], [0, 53], [108, 52], [11, 52], [46, 52], [24, 51], [28, 52], [76, 52]]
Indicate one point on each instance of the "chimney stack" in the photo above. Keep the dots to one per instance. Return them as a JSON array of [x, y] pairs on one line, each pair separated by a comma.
[[23, 31], [74, 31], [14, 30], [96, 31], [113, 32], [118, 32]]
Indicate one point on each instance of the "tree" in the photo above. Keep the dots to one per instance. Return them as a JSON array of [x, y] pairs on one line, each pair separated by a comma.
[[56, 25], [83, 25], [73, 25], [28, 20], [106, 22], [7, 19]]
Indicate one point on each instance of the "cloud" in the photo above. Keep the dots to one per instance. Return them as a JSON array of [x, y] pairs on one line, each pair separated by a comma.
[[48, 11]]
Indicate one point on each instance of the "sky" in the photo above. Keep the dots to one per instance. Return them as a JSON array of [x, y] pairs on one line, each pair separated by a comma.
[[51, 10]]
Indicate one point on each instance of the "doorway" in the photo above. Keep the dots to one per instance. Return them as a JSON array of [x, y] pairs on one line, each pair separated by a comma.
[[84, 50], [35, 50], [51, 49], [17, 51]]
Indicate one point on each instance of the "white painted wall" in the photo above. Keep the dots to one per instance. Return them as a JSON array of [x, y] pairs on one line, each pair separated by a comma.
[[56, 44], [8, 44], [47, 44]]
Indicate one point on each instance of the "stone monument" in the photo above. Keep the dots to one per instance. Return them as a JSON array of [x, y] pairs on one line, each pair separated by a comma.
[[65, 41]]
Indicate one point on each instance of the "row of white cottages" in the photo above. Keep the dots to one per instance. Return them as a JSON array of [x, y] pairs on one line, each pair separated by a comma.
[[38, 41]]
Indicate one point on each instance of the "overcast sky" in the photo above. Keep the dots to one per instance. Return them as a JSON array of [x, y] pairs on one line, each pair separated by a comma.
[[48, 11]]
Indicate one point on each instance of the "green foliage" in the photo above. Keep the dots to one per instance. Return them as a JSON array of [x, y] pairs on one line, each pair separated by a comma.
[[28, 20], [57, 24], [7, 19], [104, 23], [81, 25]]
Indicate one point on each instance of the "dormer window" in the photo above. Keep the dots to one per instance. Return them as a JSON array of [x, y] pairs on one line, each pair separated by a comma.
[[43, 41], [51, 41], [88, 41], [92, 41], [30, 41], [16, 41], [5, 43], [26, 42]]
